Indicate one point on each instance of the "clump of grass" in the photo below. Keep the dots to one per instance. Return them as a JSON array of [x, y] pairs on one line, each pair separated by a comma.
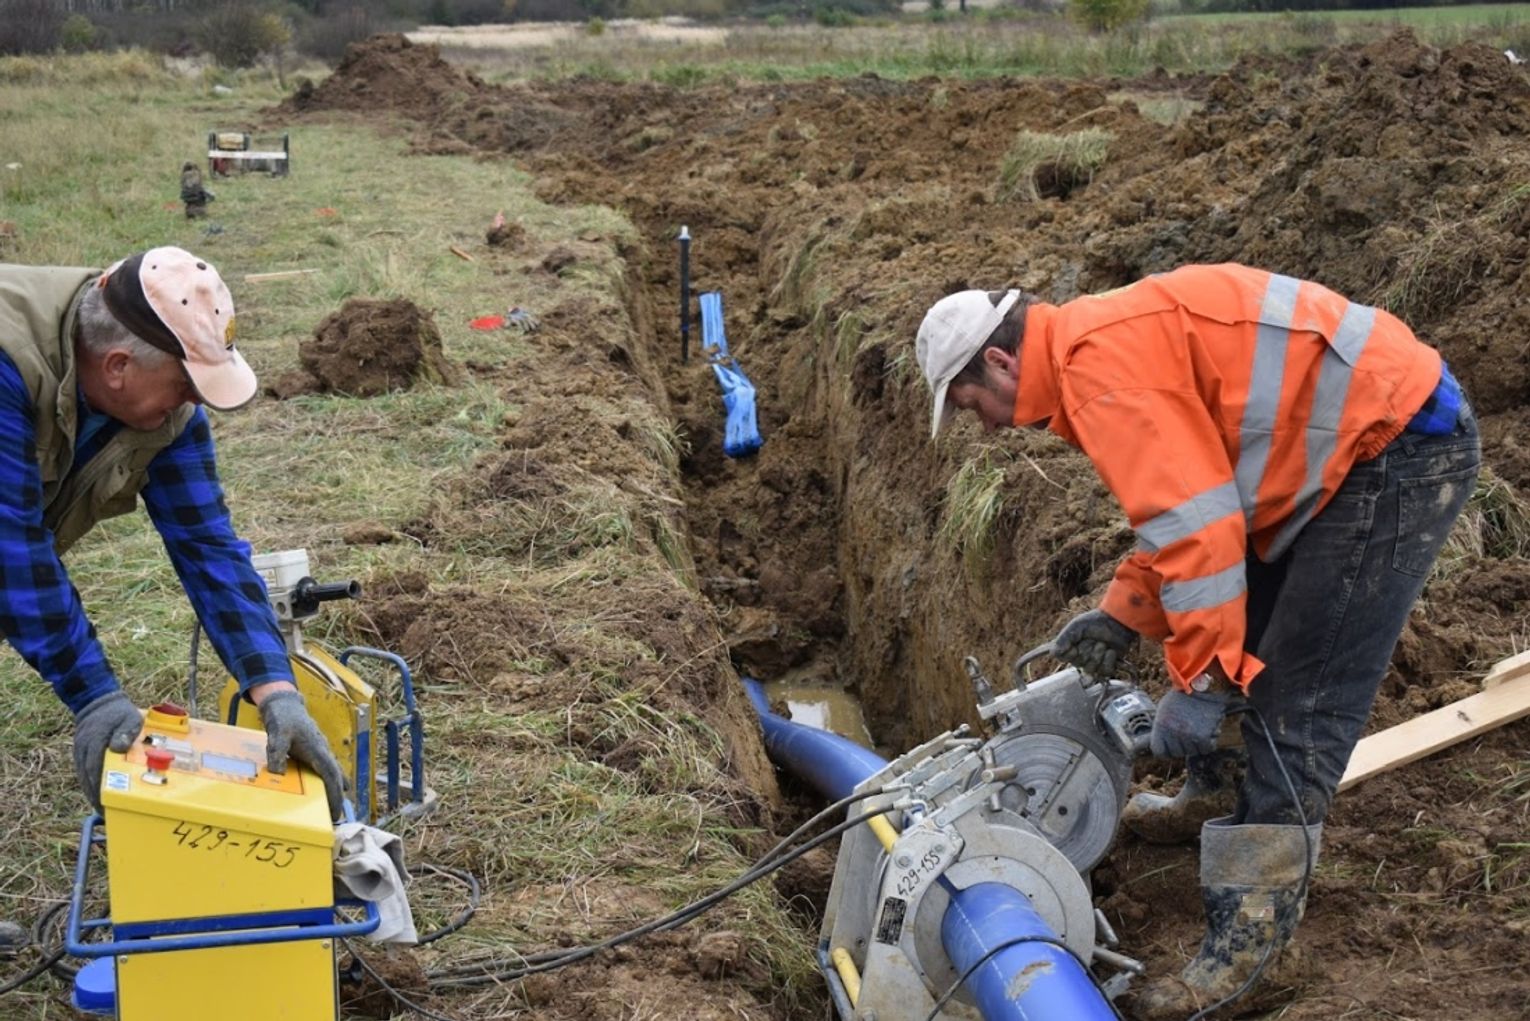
[[974, 502], [680, 76], [1442, 265], [848, 330], [1040, 164]]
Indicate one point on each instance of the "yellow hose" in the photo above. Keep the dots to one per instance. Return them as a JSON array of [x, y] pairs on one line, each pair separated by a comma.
[[839, 955], [884, 831], [847, 973]]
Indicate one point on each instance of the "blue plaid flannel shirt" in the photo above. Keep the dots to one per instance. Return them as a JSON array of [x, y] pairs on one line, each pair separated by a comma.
[[40, 611]]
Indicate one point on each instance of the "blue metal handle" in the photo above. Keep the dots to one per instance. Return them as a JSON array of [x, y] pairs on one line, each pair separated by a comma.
[[411, 717], [216, 932]]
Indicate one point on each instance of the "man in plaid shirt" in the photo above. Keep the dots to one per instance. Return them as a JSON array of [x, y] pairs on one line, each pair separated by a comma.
[[101, 378]]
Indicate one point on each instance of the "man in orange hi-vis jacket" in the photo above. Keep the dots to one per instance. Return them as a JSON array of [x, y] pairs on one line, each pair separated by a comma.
[[1292, 463]]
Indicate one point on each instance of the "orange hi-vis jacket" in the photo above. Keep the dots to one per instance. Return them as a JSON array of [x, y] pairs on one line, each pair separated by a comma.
[[1223, 406]]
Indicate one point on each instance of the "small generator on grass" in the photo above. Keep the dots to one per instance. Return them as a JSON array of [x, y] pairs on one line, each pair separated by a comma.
[[230, 152], [220, 879], [220, 873]]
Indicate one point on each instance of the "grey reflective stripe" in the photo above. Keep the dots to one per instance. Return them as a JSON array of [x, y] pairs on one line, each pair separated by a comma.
[[1188, 518], [1332, 390], [1202, 593], [1275, 317]]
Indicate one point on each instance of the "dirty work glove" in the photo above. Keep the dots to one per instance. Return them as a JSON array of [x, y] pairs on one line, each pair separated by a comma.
[[1188, 722], [1094, 642], [520, 319], [289, 729], [111, 721]]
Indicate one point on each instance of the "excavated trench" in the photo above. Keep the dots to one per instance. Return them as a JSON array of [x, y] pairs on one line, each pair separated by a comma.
[[848, 551]]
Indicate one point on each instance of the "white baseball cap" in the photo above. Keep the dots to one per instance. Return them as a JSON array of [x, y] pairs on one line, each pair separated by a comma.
[[179, 304], [954, 329]]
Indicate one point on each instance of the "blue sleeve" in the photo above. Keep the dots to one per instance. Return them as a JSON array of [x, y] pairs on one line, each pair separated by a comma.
[[40, 611], [185, 500]]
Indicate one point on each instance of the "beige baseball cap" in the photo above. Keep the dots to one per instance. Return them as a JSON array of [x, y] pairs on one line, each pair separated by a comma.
[[954, 329], [178, 303]]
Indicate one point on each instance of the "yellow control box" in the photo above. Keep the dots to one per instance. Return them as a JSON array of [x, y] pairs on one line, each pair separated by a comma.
[[201, 837], [341, 703]]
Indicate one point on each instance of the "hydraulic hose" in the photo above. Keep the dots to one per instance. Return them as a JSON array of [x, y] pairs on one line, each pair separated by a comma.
[[1012, 964]]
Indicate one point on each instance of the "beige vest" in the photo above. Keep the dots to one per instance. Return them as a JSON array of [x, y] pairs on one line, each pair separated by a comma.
[[38, 305]]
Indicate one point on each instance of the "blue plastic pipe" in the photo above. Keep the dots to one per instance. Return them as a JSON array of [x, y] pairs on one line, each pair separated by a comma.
[[741, 428], [1029, 980]]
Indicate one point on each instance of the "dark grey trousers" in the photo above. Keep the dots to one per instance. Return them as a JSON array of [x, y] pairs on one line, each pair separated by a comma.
[[1325, 617]]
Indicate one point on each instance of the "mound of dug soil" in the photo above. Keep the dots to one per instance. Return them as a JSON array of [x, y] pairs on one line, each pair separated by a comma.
[[386, 72], [369, 347]]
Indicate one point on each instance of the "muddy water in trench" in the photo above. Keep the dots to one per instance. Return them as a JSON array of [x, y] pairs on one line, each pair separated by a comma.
[[823, 706]]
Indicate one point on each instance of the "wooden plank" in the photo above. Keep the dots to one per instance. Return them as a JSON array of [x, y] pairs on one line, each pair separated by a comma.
[[459, 253], [281, 274], [1507, 670], [1424, 735]]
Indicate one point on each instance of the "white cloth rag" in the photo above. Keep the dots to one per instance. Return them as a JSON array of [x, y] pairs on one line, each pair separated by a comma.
[[369, 865]]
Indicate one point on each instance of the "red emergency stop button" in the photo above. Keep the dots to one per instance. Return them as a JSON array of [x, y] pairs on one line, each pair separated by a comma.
[[160, 760]]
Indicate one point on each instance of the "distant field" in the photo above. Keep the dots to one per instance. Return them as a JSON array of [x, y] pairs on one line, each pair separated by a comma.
[[1464, 16], [982, 43]]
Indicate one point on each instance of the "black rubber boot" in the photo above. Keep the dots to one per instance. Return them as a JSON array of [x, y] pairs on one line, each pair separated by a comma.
[[1210, 791], [1253, 891]]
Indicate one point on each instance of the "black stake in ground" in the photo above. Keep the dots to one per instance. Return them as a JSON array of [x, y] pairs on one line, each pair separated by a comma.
[[685, 294]]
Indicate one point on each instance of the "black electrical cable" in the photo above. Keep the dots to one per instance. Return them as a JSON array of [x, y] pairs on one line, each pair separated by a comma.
[[479, 966], [1301, 889], [475, 967], [460, 977], [191, 666], [48, 959], [972, 969], [45, 961], [466, 914], [390, 989]]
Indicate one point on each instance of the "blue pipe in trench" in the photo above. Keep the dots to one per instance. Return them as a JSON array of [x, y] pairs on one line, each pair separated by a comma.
[[1028, 981]]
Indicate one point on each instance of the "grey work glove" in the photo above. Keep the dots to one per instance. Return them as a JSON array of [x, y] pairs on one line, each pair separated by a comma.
[[1189, 722], [111, 721], [290, 730], [1094, 642]]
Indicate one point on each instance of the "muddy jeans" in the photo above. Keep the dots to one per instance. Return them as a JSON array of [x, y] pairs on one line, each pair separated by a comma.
[[1326, 616]]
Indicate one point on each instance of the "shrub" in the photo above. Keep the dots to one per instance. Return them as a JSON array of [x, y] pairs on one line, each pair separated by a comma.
[[240, 34], [833, 17], [595, 26], [77, 34], [1106, 15]]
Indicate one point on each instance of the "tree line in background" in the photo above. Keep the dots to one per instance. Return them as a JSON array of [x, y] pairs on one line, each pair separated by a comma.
[[238, 33]]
